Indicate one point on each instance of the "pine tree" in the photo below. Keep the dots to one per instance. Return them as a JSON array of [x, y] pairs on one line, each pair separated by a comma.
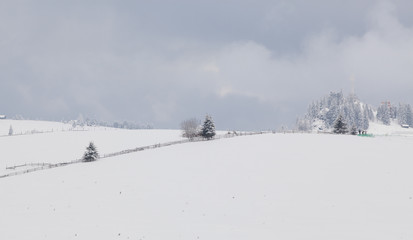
[[383, 114], [91, 153], [366, 118], [353, 130], [208, 128], [10, 130], [409, 115], [340, 127]]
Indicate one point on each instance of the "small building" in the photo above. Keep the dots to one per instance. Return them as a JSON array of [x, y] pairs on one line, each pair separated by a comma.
[[2, 116], [405, 126]]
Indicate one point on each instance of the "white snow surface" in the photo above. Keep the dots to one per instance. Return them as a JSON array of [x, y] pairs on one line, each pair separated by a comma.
[[271, 186], [68, 145], [30, 126], [394, 129]]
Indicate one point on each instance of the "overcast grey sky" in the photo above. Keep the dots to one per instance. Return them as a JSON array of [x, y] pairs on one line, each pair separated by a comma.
[[250, 64]]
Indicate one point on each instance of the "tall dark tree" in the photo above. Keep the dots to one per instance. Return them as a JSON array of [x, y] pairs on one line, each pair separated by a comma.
[[91, 153], [340, 127], [208, 128]]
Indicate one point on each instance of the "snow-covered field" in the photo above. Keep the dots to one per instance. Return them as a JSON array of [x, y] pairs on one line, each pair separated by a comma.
[[63, 146], [271, 186], [28, 126], [394, 129]]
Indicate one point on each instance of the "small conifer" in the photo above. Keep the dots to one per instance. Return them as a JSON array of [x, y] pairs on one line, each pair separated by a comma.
[[208, 128], [340, 127], [91, 153]]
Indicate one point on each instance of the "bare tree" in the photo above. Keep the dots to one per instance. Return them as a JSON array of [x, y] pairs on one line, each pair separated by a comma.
[[190, 128]]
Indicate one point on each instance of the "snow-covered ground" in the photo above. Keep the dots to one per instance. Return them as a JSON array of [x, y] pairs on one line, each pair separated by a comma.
[[29, 126], [63, 146], [271, 186], [394, 129]]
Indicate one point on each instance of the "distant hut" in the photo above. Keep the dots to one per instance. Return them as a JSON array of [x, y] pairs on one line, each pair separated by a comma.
[[2, 116]]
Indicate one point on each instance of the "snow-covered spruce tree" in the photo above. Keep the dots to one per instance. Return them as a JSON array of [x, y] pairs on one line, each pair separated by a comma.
[[10, 130], [208, 128], [91, 153], [384, 114], [409, 115], [353, 130], [340, 127], [405, 114]]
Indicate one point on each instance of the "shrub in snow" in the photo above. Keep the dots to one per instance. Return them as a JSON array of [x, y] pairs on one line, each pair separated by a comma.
[[190, 128], [340, 127], [208, 128], [91, 153]]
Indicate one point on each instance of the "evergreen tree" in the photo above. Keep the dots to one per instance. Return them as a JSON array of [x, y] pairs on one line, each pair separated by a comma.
[[340, 127], [208, 128], [367, 117], [353, 130], [384, 114], [91, 153], [409, 115], [10, 130]]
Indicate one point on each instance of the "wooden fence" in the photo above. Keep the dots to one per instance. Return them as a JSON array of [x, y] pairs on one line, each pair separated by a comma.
[[44, 166]]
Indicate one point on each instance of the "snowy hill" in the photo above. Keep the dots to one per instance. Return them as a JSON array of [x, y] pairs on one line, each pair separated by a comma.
[[271, 186]]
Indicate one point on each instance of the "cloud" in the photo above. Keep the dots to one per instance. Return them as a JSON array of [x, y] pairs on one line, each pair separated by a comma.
[[263, 62], [380, 60]]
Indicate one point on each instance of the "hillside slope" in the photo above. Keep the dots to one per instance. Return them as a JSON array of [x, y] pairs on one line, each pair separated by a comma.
[[274, 186]]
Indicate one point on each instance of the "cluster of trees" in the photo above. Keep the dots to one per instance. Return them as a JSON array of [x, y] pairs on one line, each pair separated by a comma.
[[325, 112], [340, 127], [322, 114], [402, 113], [191, 128]]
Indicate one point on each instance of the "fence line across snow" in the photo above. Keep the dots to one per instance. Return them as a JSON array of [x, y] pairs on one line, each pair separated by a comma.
[[44, 166]]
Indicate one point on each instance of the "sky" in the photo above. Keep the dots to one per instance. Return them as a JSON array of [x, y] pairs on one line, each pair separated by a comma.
[[251, 65]]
